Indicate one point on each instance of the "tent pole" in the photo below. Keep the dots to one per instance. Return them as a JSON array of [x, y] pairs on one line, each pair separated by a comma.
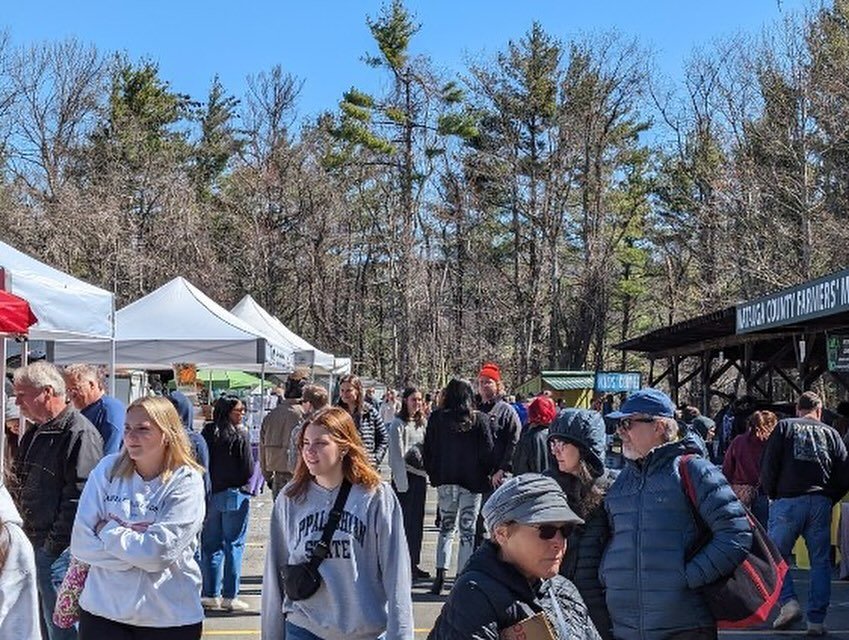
[[3, 401], [113, 356], [262, 392]]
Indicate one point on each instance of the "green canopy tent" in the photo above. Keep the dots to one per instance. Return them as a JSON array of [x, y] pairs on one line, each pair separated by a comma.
[[225, 379]]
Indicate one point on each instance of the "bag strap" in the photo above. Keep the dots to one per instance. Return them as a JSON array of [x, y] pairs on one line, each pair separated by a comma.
[[322, 549], [684, 472]]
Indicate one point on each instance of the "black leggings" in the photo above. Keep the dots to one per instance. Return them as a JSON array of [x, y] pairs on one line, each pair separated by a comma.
[[94, 627]]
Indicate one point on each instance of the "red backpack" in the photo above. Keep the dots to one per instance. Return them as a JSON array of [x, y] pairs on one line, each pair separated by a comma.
[[746, 596]]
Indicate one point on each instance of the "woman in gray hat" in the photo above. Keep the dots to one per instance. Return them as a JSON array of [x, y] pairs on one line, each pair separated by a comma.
[[577, 441], [512, 580]]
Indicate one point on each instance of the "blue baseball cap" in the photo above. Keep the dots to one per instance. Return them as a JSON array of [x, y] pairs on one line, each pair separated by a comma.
[[651, 402]]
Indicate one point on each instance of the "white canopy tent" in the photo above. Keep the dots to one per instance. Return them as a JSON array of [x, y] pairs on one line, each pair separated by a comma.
[[66, 307], [305, 354], [179, 323]]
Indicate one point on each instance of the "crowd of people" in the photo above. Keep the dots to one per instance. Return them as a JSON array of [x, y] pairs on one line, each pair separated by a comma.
[[150, 516]]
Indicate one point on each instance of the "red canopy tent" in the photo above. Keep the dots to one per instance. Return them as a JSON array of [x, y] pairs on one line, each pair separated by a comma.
[[15, 315]]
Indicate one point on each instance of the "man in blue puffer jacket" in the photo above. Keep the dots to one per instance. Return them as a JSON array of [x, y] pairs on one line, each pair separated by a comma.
[[650, 569]]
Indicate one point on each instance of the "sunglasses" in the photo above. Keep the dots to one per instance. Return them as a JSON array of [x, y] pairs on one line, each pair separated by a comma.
[[626, 424], [548, 531]]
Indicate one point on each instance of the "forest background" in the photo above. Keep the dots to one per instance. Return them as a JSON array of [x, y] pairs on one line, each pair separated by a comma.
[[535, 209]]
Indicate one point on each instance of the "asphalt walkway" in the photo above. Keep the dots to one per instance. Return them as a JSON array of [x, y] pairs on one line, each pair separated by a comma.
[[245, 625]]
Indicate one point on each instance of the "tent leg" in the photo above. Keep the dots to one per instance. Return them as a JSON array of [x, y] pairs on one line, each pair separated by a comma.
[[113, 356], [3, 401]]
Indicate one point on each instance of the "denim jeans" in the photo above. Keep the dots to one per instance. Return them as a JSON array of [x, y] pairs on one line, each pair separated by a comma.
[[223, 542], [455, 503], [810, 517], [49, 572]]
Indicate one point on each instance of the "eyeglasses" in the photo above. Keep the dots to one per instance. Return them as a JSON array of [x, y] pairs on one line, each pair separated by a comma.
[[548, 531], [626, 424], [556, 444]]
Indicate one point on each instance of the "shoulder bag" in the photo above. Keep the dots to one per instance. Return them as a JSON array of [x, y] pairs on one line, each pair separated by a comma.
[[303, 580]]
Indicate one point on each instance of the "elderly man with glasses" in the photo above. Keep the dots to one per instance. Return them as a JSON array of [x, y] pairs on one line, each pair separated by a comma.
[[655, 564]]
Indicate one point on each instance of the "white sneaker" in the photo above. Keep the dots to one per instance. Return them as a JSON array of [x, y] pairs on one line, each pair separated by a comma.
[[816, 629], [234, 604], [213, 604], [790, 612]]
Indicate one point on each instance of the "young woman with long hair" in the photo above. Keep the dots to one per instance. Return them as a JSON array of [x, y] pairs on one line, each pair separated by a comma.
[[577, 439], [742, 463], [365, 588], [365, 416], [137, 526], [458, 450], [406, 436], [226, 526]]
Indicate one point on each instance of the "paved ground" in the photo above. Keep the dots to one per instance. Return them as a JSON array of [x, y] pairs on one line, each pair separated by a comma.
[[243, 626]]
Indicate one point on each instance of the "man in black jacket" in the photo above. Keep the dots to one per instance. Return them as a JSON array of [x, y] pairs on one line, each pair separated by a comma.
[[505, 427], [53, 462], [804, 471]]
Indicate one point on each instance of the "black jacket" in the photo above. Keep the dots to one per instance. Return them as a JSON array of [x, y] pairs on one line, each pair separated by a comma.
[[231, 464], [586, 545], [804, 456], [456, 453], [53, 462], [506, 428], [490, 596], [531, 455]]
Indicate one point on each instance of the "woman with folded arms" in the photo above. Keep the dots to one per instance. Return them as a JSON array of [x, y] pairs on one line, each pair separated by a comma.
[[137, 526]]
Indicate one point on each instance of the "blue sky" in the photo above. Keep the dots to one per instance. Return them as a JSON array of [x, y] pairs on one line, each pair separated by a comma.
[[322, 42]]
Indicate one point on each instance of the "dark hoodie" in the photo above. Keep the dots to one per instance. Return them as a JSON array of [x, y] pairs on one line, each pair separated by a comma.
[[585, 429], [491, 595], [186, 412], [585, 547]]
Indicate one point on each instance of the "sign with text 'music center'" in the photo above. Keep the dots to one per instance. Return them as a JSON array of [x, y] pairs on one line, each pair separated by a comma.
[[824, 296]]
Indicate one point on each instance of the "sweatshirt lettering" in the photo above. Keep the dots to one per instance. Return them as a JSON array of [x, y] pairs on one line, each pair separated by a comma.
[[348, 523]]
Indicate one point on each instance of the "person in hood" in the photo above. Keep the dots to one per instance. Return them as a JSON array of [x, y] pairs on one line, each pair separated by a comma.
[[577, 440], [199, 447], [531, 455], [514, 575], [653, 570], [18, 594]]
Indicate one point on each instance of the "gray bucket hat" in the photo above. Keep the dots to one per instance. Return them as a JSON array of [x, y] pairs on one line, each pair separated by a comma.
[[530, 498]]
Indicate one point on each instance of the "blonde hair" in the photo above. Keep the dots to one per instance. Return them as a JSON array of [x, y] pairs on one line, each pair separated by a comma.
[[355, 465], [178, 451]]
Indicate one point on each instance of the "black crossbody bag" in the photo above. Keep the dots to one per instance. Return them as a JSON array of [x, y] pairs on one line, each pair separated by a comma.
[[303, 580]]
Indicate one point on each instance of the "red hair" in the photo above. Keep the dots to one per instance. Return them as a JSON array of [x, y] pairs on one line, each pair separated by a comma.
[[355, 465]]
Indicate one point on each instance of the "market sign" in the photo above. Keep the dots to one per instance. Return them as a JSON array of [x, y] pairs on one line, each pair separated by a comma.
[[617, 381], [837, 351], [824, 296]]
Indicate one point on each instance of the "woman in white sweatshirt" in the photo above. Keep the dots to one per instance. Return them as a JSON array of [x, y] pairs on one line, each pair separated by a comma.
[[19, 618], [365, 589], [137, 526]]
